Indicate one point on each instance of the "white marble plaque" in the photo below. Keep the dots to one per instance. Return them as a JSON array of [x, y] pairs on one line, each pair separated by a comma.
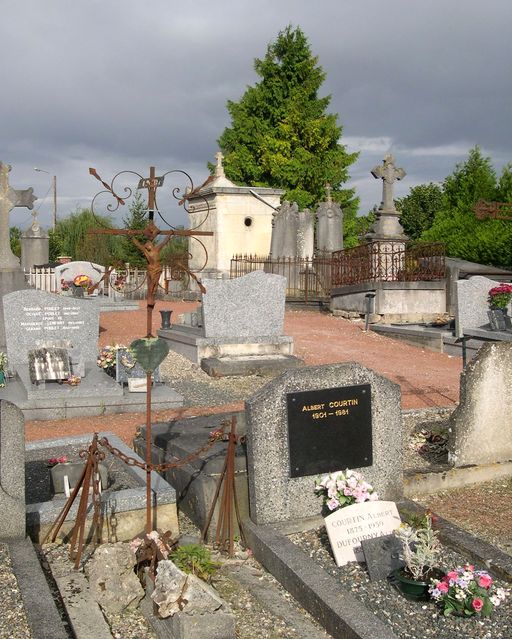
[[349, 526]]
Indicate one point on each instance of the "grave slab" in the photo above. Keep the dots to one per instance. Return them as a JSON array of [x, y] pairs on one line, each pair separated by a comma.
[[480, 427], [472, 305], [245, 306], [382, 556], [70, 270], [33, 315], [241, 323], [348, 527]]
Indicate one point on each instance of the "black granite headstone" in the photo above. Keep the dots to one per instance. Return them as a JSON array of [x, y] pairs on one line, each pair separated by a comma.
[[329, 430]]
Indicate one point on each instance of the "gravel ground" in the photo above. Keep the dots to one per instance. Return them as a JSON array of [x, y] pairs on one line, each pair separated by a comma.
[[253, 621], [13, 621], [408, 620], [199, 389]]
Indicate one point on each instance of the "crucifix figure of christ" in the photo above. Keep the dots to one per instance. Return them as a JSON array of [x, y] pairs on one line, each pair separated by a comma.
[[150, 247], [10, 198], [388, 173]]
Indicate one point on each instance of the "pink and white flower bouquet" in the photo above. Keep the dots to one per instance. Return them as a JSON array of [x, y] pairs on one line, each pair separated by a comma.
[[344, 488], [465, 591]]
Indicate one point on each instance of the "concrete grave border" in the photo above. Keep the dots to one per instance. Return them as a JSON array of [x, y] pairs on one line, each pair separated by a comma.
[[338, 611], [40, 516]]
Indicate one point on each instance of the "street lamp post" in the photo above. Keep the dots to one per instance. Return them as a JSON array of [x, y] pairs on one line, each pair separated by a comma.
[[54, 187]]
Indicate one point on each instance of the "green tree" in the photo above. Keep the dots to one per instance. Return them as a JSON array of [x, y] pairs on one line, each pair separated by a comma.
[[15, 238], [504, 190], [484, 241], [471, 181], [71, 237], [136, 219], [419, 207], [281, 135]]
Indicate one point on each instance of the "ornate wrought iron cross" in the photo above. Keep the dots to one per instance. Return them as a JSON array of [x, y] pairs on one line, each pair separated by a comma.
[[151, 248]]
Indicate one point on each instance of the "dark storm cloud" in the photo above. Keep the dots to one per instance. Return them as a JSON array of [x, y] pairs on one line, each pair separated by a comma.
[[123, 85]]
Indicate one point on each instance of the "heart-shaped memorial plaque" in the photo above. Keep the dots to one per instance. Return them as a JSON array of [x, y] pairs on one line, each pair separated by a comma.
[[150, 352]]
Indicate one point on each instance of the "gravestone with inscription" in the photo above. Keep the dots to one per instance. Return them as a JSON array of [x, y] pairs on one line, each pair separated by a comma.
[[316, 420], [70, 270], [38, 327], [348, 527]]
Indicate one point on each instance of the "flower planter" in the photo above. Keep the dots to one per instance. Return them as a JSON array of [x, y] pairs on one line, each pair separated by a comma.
[[410, 588], [73, 471], [2, 379]]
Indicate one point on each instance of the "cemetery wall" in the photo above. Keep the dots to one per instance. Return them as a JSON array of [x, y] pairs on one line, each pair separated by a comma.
[[393, 298]]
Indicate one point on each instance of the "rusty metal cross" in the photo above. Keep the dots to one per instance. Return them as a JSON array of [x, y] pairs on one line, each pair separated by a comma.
[[150, 248]]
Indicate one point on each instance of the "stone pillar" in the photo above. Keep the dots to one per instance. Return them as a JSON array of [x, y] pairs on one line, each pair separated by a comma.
[[289, 228], [35, 245]]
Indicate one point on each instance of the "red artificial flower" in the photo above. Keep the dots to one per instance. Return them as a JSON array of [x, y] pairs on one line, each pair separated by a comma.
[[477, 605], [485, 581]]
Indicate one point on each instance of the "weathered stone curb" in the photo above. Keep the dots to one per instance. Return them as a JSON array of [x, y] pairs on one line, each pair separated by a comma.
[[498, 562], [341, 614], [42, 614]]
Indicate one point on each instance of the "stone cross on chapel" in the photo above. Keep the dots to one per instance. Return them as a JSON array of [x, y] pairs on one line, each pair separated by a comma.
[[219, 168], [388, 173], [9, 199]]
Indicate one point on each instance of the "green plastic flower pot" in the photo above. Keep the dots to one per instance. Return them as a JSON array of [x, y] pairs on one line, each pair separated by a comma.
[[410, 588]]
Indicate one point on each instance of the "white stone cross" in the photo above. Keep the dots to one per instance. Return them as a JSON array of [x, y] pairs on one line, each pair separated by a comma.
[[10, 198], [219, 169], [388, 173]]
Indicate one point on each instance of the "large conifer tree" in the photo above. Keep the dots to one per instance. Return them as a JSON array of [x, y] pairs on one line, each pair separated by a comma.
[[280, 134]]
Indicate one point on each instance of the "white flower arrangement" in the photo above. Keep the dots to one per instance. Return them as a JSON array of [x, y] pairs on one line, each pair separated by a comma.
[[344, 488]]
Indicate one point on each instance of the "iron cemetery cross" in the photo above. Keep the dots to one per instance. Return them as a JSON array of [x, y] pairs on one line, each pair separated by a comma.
[[149, 350], [388, 173], [10, 198], [150, 248]]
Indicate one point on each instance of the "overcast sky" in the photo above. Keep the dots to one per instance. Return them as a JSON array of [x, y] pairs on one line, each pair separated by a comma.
[[123, 84]]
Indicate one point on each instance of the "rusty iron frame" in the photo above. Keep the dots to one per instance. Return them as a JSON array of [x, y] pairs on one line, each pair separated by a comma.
[[307, 279], [389, 261], [225, 532], [94, 456], [493, 210]]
